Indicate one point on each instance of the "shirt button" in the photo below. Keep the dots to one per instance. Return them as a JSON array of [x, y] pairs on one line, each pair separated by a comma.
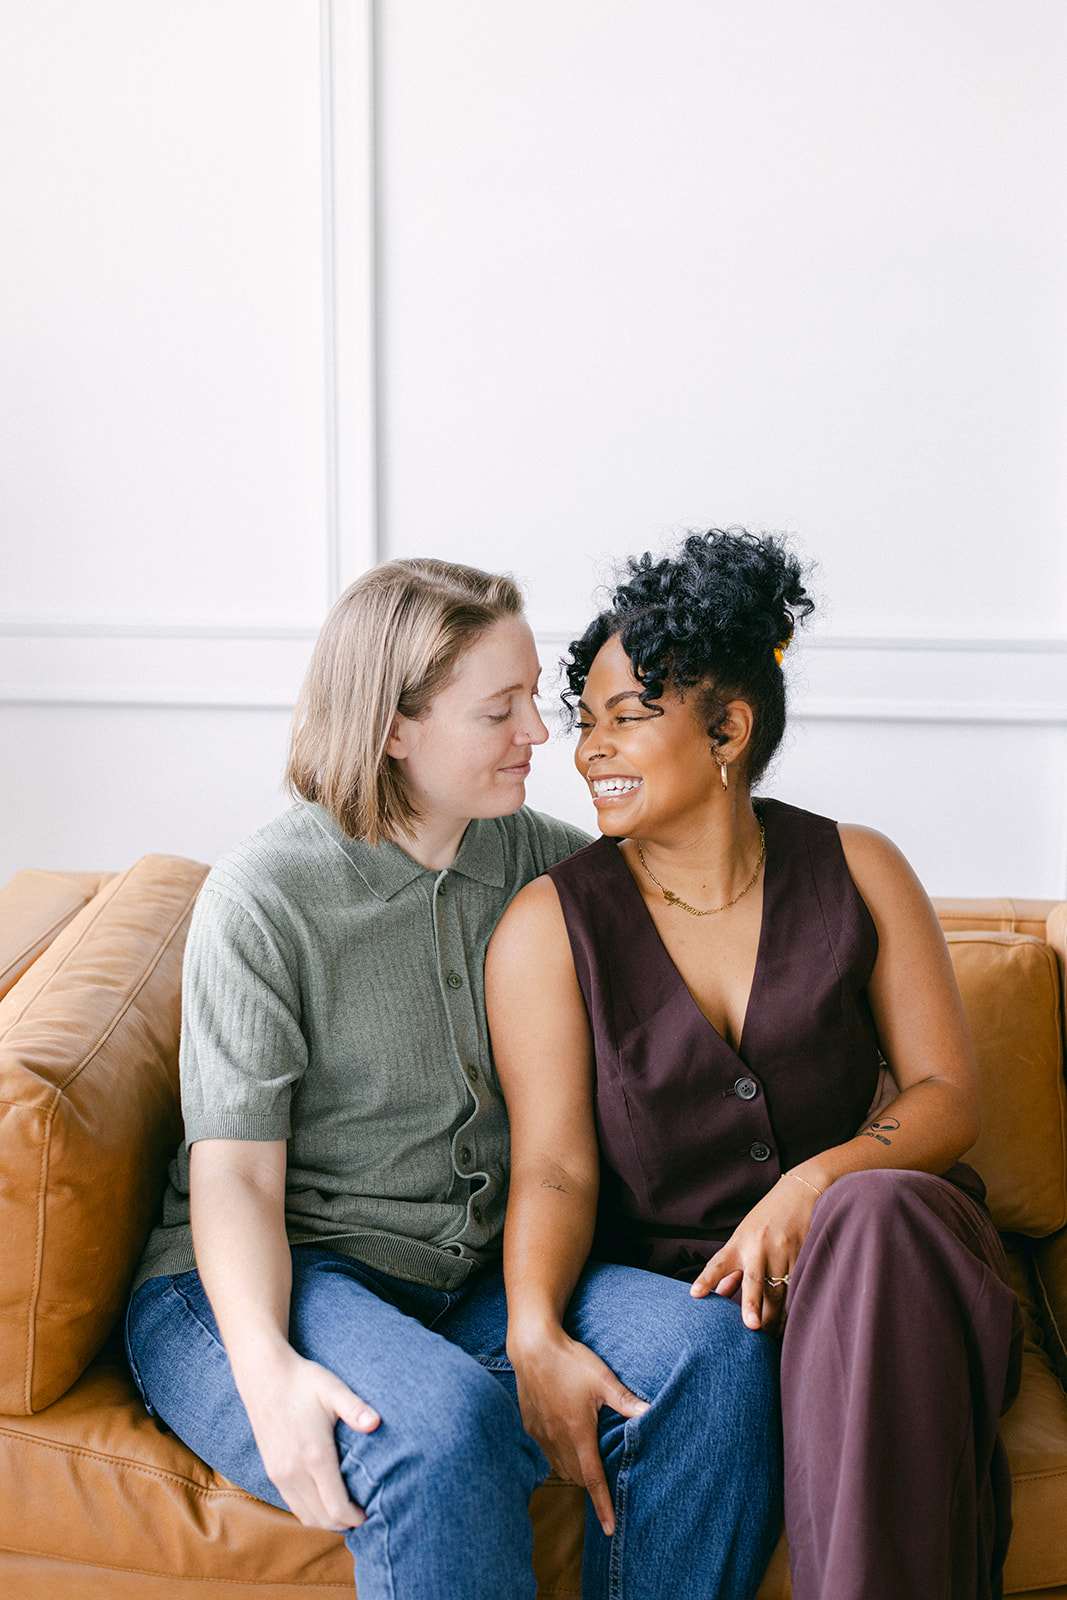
[[454, 980], [476, 1213], [759, 1151], [464, 1157], [472, 1072], [441, 888], [746, 1088]]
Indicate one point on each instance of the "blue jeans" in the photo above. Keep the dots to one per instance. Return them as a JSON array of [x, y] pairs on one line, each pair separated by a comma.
[[447, 1476]]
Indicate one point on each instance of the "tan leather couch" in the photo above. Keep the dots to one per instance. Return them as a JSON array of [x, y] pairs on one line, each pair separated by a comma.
[[97, 1501]]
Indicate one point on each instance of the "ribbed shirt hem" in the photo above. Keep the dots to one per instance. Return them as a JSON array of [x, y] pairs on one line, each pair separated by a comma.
[[235, 1125], [409, 1259]]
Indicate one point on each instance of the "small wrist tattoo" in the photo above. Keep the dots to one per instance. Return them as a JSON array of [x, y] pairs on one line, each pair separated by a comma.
[[546, 1185]]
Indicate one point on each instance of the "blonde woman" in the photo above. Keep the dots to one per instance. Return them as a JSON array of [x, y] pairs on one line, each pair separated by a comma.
[[320, 1312]]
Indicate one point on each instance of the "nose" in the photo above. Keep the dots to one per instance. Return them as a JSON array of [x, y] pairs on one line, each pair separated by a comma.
[[591, 746], [533, 730]]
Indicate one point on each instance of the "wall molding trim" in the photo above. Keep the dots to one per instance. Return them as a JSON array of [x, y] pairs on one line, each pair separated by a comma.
[[1004, 681], [349, 248], [843, 678], [116, 628], [119, 661], [903, 642], [907, 642]]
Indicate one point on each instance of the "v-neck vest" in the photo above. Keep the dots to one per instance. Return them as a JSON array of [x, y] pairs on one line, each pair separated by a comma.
[[693, 1132]]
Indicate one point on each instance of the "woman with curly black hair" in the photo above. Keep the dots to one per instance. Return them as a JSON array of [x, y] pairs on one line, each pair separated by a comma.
[[751, 1011]]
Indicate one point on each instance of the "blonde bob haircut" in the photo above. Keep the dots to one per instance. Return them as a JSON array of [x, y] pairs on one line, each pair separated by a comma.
[[389, 645]]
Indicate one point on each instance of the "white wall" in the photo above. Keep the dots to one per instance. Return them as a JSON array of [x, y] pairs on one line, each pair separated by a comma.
[[533, 285]]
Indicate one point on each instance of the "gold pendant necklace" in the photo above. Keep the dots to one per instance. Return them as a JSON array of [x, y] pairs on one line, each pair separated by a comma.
[[673, 899]]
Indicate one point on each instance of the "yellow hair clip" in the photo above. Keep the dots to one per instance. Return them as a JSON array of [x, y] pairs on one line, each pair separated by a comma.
[[783, 645]]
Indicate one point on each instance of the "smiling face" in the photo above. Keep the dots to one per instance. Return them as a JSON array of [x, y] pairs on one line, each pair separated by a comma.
[[650, 768], [469, 756]]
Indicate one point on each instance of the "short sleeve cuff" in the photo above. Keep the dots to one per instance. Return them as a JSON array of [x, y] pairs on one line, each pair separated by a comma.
[[236, 1125]]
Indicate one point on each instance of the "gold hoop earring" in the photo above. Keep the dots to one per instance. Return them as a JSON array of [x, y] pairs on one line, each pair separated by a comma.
[[722, 775]]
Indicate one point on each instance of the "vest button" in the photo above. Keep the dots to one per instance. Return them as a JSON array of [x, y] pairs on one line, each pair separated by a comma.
[[454, 980], [465, 1157], [746, 1088], [759, 1151]]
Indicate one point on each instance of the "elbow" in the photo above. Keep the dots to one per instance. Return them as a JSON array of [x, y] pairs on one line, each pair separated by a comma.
[[972, 1127], [967, 1122]]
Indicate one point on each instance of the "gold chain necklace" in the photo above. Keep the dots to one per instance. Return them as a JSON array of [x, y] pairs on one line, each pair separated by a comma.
[[673, 899]]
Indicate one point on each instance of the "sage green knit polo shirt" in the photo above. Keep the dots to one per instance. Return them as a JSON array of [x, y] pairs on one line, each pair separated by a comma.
[[333, 996]]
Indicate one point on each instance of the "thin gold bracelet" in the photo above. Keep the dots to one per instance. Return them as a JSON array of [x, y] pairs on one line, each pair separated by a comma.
[[804, 1181]]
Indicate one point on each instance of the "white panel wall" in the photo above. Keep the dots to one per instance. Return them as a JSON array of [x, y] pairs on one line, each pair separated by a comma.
[[164, 399], [640, 265], [186, 404], [648, 267]]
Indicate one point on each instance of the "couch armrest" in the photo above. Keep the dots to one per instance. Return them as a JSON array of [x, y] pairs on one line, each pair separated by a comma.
[[1056, 933], [89, 1090], [34, 908]]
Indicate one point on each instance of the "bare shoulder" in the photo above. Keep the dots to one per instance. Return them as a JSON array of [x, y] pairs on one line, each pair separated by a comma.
[[883, 875], [537, 1017], [867, 850], [532, 922]]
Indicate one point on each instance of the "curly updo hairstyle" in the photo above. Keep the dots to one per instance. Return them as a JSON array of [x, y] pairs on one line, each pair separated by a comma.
[[709, 618]]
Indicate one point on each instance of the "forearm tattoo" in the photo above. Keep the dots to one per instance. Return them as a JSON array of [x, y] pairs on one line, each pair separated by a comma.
[[881, 1129], [546, 1185]]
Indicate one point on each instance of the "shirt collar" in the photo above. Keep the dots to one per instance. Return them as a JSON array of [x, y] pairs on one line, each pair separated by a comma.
[[386, 868]]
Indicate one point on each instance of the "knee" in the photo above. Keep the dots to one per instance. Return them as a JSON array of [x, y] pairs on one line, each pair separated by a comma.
[[869, 1201], [900, 1220], [446, 1449], [719, 1363], [743, 1371], [485, 1419], [470, 1421]]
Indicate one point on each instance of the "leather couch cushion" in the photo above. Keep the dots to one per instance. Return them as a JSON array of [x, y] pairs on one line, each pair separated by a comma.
[[89, 1117], [1011, 992], [34, 907], [1001, 916], [93, 1478]]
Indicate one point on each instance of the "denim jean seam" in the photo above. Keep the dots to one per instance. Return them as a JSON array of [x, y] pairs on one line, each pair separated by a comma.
[[132, 1363], [377, 1487], [494, 1363], [172, 1288], [622, 1484]]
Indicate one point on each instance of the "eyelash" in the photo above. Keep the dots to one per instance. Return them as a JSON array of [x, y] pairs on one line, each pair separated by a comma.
[[583, 727]]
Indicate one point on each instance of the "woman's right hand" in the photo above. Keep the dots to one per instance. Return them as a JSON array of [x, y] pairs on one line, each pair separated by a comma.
[[293, 1406], [237, 1198], [562, 1385]]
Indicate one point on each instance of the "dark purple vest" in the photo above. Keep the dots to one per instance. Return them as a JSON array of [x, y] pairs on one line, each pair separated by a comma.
[[693, 1133]]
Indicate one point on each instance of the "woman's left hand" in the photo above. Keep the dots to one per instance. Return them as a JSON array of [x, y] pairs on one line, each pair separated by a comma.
[[761, 1253]]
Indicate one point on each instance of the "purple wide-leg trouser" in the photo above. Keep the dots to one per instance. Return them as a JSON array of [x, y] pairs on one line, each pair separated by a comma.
[[901, 1349]]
